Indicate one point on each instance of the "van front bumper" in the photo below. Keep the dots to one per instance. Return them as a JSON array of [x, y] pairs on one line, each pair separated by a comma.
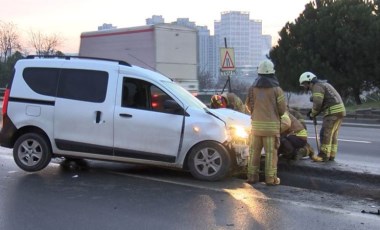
[[241, 151]]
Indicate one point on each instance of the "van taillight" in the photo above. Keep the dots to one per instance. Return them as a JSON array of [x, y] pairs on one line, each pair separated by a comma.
[[5, 102]]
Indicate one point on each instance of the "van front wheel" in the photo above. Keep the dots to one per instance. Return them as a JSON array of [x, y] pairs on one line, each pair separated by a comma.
[[31, 152], [209, 161]]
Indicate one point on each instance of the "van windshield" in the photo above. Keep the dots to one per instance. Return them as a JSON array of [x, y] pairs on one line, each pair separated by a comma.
[[184, 95]]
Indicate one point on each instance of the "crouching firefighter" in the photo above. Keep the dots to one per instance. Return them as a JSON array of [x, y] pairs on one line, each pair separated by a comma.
[[227, 100], [293, 140]]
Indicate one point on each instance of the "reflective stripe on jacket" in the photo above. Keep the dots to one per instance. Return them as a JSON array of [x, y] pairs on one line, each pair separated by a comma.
[[295, 128], [326, 100]]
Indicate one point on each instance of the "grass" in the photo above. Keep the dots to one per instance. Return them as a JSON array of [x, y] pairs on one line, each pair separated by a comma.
[[365, 105]]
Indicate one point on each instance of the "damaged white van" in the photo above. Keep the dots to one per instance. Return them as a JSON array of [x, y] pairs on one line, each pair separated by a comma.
[[110, 110]]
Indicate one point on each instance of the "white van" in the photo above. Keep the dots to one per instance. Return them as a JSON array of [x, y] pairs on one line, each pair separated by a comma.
[[109, 110]]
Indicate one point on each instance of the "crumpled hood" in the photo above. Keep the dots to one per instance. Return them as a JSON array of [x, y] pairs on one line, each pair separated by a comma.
[[232, 117]]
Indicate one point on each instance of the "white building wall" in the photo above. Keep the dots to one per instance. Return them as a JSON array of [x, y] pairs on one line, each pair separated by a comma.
[[166, 48]]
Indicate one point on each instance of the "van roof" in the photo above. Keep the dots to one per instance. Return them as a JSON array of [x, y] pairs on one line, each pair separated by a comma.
[[76, 57], [123, 67]]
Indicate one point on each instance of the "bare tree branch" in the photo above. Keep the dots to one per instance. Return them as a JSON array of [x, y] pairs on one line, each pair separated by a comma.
[[44, 44], [9, 40]]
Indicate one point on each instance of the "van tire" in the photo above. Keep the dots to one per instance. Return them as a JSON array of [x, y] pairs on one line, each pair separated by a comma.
[[31, 152], [209, 161]]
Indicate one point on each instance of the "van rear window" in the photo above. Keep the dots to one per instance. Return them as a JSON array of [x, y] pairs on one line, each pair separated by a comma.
[[75, 84], [83, 85], [42, 80]]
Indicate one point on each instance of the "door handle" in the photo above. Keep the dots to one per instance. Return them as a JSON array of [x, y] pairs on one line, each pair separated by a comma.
[[125, 115], [98, 115]]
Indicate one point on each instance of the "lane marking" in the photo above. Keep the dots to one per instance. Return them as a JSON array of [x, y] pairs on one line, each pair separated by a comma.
[[347, 140]]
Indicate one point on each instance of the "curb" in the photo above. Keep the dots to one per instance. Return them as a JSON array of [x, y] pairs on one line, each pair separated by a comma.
[[330, 170], [332, 177]]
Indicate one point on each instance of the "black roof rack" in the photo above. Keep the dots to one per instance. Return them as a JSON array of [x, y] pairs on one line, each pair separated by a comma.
[[80, 57]]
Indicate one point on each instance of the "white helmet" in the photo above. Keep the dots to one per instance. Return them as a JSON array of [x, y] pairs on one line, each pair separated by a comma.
[[307, 77], [266, 67]]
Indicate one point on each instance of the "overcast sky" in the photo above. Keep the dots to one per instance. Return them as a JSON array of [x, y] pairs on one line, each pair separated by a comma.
[[69, 18]]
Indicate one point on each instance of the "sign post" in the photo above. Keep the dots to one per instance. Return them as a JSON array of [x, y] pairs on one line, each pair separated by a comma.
[[227, 63]]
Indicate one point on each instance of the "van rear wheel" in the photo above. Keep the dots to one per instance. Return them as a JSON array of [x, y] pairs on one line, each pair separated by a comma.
[[31, 152], [209, 161]]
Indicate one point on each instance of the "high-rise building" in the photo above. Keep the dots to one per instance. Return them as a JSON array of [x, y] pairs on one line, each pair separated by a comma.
[[238, 31], [234, 29], [205, 46]]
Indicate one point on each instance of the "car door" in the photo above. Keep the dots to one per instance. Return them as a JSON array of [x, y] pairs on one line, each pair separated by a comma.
[[144, 128], [83, 117]]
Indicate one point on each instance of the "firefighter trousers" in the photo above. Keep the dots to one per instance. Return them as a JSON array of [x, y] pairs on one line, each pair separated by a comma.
[[329, 134], [270, 145]]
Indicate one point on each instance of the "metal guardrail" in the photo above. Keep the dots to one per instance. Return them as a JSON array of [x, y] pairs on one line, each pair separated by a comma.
[[2, 90]]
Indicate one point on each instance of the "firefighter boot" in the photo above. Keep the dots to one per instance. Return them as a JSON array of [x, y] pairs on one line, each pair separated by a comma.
[[310, 151], [320, 158], [272, 180], [332, 157], [252, 178], [300, 153]]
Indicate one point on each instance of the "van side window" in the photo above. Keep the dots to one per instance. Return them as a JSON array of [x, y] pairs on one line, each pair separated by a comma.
[[141, 94], [83, 85], [134, 94], [42, 80], [158, 99]]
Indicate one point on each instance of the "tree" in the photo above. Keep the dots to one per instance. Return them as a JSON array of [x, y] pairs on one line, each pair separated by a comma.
[[9, 40], [44, 44], [6, 68], [206, 81], [338, 40]]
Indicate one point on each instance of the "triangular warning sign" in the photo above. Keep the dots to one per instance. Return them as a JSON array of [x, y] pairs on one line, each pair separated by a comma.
[[228, 62]]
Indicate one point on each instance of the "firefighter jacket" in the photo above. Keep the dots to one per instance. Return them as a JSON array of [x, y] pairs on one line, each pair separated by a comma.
[[326, 100], [266, 104], [290, 125], [234, 102]]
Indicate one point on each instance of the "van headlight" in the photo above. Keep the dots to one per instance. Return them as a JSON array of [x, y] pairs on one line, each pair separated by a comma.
[[238, 132]]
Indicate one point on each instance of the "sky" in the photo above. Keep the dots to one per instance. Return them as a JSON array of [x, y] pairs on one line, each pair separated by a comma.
[[69, 18]]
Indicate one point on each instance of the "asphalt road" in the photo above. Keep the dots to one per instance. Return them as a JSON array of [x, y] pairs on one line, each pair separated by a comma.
[[120, 196], [106, 195], [358, 146]]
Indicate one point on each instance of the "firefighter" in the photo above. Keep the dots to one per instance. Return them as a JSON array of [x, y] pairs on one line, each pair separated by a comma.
[[293, 140], [227, 100], [266, 104], [325, 100]]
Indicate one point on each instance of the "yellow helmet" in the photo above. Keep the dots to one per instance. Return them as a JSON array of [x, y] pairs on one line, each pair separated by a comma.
[[306, 77], [266, 67]]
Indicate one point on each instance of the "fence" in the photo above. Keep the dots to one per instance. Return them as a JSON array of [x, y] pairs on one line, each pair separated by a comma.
[[2, 90]]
